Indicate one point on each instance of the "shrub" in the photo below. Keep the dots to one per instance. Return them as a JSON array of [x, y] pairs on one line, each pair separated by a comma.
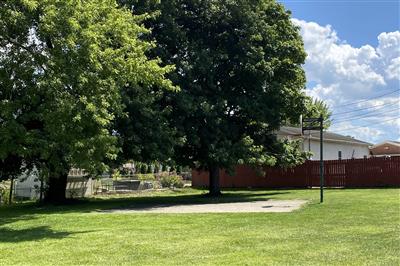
[[179, 169], [116, 175], [143, 169], [172, 181], [4, 193], [157, 168], [146, 177], [150, 169]]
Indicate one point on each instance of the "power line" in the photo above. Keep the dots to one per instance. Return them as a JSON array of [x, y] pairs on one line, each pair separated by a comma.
[[378, 123], [366, 108], [366, 100], [366, 115], [377, 110]]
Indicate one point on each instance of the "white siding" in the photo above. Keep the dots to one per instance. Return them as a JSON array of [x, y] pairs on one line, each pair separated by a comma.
[[331, 150], [27, 185]]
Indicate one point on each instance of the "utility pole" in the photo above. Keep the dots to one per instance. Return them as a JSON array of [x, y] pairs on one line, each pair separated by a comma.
[[317, 124]]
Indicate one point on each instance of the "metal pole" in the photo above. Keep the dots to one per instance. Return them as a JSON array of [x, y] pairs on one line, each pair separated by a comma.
[[321, 159]]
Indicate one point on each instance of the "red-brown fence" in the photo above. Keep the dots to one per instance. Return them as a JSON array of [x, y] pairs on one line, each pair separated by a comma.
[[371, 172]]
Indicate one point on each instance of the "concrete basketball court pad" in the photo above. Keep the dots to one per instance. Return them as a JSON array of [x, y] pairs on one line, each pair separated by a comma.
[[233, 207]]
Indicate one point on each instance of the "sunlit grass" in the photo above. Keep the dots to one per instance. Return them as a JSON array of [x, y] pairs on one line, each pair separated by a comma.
[[352, 227]]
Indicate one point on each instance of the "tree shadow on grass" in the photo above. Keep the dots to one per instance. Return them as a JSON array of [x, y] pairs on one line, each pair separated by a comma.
[[30, 211], [8, 235]]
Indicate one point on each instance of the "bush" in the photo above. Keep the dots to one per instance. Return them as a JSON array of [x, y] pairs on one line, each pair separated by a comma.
[[171, 181], [156, 168], [145, 177], [4, 193], [179, 169], [143, 169], [150, 169], [116, 175]]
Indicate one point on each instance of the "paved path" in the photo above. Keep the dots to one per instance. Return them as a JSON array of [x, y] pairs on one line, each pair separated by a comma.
[[253, 206]]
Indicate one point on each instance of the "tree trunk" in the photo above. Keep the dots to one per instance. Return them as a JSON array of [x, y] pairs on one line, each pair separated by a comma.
[[41, 189], [11, 191], [57, 188], [214, 188]]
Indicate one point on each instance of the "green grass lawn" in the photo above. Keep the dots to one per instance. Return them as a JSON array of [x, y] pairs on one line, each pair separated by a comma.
[[353, 227]]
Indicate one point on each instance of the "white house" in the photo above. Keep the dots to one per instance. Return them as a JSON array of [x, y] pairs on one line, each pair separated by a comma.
[[27, 185], [336, 146], [78, 185]]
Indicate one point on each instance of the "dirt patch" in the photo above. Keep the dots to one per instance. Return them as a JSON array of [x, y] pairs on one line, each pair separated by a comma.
[[253, 206]]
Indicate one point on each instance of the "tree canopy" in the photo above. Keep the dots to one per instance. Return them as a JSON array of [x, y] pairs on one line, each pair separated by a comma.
[[238, 64], [316, 108], [313, 108], [63, 64]]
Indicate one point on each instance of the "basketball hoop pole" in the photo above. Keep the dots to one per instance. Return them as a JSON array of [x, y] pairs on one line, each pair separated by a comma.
[[312, 125]]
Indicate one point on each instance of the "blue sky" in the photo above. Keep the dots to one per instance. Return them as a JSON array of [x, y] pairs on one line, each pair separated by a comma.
[[354, 63]]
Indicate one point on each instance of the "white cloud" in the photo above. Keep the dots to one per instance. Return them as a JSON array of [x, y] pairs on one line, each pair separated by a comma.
[[393, 69], [363, 133], [389, 44], [330, 60], [342, 74]]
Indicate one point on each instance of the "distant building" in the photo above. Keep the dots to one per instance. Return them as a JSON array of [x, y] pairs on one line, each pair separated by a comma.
[[27, 185], [336, 146], [386, 149]]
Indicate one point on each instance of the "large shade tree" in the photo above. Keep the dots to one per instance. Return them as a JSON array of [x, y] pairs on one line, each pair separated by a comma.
[[238, 64], [63, 65]]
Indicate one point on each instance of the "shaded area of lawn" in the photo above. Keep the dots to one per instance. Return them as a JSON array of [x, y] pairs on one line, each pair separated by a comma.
[[166, 198], [31, 234], [352, 227]]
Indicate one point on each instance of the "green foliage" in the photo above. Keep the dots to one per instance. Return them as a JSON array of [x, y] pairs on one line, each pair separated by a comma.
[[150, 169], [11, 167], [4, 193], [314, 108], [145, 177], [162, 167], [66, 70], [291, 154], [179, 169], [238, 64], [168, 181], [157, 167], [116, 175], [143, 168], [172, 168]]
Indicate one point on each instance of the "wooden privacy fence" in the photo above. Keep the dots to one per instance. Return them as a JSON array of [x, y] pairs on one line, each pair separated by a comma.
[[371, 172]]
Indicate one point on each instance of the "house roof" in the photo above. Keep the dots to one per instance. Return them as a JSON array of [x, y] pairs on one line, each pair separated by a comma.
[[390, 148], [329, 136], [386, 142]]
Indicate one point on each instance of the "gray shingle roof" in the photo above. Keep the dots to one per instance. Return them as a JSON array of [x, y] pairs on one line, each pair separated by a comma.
[[294, 131]]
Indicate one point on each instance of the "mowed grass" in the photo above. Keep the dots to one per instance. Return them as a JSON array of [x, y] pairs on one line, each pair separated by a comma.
[[352, 227]]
